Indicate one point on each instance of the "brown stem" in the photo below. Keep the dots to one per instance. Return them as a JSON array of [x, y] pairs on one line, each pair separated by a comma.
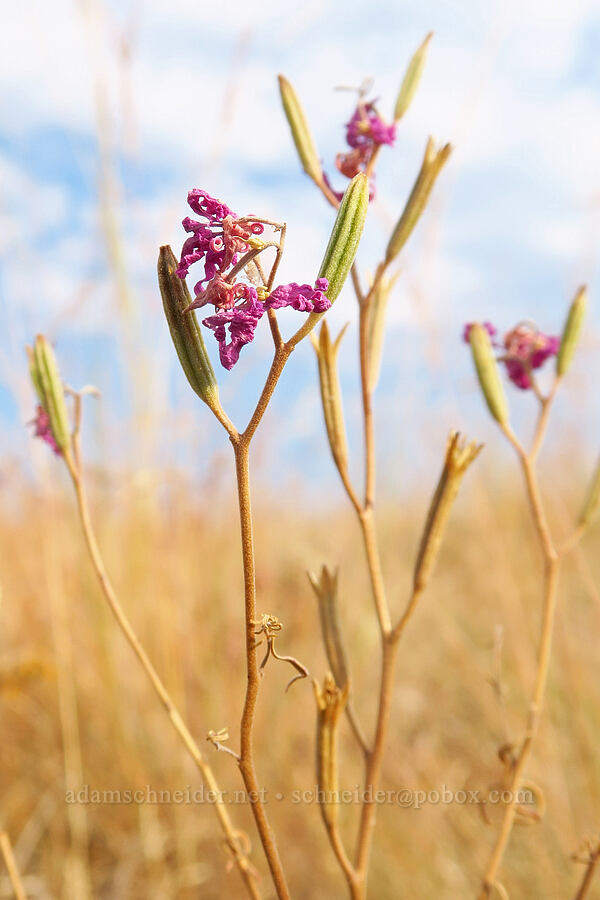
[[552, 560], [231, 837], [588, 875], [367, 524], [246, 761], [374, 762]]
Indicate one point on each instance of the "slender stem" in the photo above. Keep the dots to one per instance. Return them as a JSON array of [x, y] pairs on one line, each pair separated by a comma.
[[231, 836], [356, 729], [589, 874], [340, 854], [367, 524], [552, 559], [246, 761], [375, 760], [369, 430], [532, 725], [407, 614], [11, 866]]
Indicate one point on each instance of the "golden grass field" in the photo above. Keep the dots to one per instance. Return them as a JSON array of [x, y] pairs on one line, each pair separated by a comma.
[[76, 708]]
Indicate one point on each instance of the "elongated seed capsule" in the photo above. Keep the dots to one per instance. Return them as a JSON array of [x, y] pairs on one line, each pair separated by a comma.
[[185, 330], [592, 500], [48, 382], [376, 331], [345, 235], [343, 243], [326, 592], [487, 373], [303, 139], [459, 456], [571, 332], [331, 394], [330, 705], [433, 162], [411, 79]]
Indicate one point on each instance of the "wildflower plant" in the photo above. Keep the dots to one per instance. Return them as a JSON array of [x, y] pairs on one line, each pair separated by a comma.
[[522, 352], [236, 260]]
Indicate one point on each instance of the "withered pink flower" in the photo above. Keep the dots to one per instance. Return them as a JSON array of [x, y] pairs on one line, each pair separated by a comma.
[[43, 429], [218, 240], [366, 128], [300, 296], [527, 349]]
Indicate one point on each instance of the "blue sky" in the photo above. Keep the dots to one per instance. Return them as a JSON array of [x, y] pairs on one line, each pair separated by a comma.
[[186, 95]]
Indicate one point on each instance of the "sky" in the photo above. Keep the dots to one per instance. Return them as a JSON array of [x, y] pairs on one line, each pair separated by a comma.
[[110, 111]]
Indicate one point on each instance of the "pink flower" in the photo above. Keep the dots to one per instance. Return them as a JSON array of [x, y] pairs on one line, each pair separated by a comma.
[[218, 240], [221, 293], [366, 128], [365, 131], [238, 323], [43, 429], [527, 349], [300, 296]]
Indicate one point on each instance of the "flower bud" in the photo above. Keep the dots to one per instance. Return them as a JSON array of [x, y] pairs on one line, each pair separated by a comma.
[[185, 330], [331, 395], [571, 332], [433, 162], [326, 592], [330, 705], [303, 139], [487, 373], [49, 388], [459, 456], [411, 79]]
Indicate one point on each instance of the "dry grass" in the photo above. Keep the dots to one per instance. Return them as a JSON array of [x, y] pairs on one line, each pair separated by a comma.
[[75, 706]]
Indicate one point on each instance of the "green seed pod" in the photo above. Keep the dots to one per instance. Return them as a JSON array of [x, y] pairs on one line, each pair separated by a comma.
[[592, 501], [433, 162], [303, 139], [411, 79], [35, 375], [326, 592], [185, 330], [487, 373], [459, 456], [49, 387], [341, 249], [571, 332], [345, 236], [331, 394]]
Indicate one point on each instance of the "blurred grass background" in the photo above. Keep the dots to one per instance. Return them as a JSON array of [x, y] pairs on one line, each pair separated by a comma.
[[76, 709]]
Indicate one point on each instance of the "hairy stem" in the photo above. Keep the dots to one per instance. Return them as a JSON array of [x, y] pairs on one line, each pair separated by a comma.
[[231, 835], [246, 761]]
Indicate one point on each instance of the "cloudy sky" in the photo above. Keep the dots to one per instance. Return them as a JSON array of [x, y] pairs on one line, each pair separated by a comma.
[[110, 111]]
